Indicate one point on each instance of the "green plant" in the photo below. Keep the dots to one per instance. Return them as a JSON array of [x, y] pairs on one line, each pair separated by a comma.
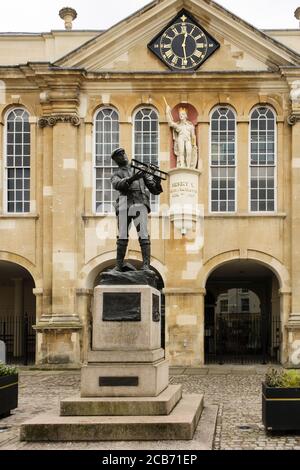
[[283, 378], [7, 370]]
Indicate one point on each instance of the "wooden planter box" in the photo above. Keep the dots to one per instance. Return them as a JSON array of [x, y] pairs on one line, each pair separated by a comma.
[[8, 394], [281, 408]]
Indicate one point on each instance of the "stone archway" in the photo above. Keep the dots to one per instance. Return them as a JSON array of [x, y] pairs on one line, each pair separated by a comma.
[[17, 312], [242, 314]]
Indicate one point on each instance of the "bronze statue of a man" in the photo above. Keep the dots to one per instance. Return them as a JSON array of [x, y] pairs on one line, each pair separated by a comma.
[[132, 205]]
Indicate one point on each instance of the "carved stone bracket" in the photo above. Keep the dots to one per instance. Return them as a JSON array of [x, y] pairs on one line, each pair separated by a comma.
[[293, 118], [51, 121]]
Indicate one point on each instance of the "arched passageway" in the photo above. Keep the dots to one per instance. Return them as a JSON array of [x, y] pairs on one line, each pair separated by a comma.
[[242, 314], [17, 313]]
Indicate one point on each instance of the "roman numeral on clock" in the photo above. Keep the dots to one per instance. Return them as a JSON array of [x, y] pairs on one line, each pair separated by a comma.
[[198, 54]]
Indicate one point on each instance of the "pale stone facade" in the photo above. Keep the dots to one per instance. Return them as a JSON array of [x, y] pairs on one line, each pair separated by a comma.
[[62, 78]]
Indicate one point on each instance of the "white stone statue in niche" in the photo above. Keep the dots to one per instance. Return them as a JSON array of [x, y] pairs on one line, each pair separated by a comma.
[[295, 92], [184, 136]]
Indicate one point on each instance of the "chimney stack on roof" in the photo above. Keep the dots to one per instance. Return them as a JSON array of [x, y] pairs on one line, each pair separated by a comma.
[[68, 15]]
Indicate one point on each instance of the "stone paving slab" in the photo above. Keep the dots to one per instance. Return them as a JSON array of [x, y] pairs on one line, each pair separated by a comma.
[[236, 396]]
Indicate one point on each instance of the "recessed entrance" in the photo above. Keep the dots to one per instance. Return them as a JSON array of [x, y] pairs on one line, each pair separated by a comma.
[[242, 315], [17, 313]]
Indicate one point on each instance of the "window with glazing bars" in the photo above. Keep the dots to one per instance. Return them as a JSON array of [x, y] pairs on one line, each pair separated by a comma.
[[223, 160], [106, 141], [18, 161], [262, 160], [146, 142]]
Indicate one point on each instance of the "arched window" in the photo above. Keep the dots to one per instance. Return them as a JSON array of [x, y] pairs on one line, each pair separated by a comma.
[[17, 161], [262, 160], [223, 160], [106, 141], [146, 141]]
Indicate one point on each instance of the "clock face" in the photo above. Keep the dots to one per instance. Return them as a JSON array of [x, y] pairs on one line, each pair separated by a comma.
[[183, 45]]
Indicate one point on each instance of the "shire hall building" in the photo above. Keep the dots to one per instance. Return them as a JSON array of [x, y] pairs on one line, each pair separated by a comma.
[[229, 267]]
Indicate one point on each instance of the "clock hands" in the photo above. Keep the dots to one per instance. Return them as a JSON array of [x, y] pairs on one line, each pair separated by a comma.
[[184, 45]]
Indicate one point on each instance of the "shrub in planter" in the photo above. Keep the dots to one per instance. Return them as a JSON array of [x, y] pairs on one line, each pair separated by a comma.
[[8, 389], [281, 400]]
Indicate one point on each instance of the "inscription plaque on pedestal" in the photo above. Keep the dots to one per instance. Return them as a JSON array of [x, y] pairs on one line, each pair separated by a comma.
[[118, 381], [121, 307]]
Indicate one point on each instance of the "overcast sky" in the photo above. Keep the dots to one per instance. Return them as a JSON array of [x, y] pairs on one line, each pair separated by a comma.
[[42, 15]]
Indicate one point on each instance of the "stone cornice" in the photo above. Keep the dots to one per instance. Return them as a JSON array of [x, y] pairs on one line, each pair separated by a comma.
[[51, 121]]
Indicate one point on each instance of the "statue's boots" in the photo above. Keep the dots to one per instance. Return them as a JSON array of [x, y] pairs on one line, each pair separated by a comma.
[[146, 253], [121, 252]]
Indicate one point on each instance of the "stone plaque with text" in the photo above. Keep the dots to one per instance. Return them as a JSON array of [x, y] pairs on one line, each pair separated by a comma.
[[118, 307]]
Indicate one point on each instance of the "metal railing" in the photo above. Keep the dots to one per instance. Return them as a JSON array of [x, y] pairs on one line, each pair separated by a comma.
[[242, 338], [19, 338]]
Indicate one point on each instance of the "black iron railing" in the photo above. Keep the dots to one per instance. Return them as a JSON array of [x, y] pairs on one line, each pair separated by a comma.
[[19, 338], [242, 338]]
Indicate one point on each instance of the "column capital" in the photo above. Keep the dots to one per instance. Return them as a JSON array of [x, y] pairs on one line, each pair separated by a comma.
[[38, 291], [83, 292], [294, 322], [52, 120], [293, 118], [184, 291]]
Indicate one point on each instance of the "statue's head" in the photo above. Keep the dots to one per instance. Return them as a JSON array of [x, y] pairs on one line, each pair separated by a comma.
[[119, 156], [182, 114]]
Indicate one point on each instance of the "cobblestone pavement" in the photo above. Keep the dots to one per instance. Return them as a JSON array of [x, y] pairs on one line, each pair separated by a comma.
[[236, 390]]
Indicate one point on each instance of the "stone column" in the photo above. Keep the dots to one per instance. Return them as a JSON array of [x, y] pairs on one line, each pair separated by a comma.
[[285, 308], [293, 325], [18, 316], [58, 329], [64, 249], [185, 320]]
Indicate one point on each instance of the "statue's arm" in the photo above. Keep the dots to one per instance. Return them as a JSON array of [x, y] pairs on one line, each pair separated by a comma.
[[153, 184], [170, 118], [123, 184], [119, 184]]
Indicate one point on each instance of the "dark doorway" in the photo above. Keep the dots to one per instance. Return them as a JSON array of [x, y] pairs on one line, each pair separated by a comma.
[[242, 315], [17, 313]]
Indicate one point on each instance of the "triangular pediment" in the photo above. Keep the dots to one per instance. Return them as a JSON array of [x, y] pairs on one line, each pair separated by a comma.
[[123, 48]]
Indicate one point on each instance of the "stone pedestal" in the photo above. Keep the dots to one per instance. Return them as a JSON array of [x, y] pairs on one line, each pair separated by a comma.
[[124, 386], [184, 197], [126, 358]]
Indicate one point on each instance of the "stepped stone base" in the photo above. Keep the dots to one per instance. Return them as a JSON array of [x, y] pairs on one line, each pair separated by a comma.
[[180, 424], [127, 406]]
